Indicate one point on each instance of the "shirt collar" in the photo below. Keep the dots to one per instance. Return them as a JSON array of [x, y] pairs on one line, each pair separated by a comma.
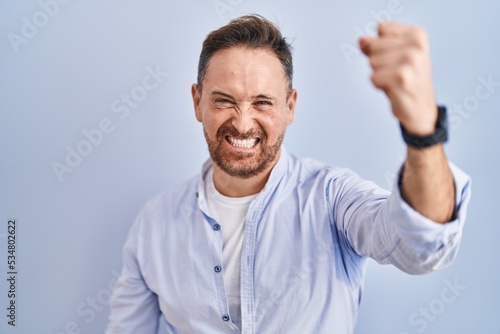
[[278, 171]]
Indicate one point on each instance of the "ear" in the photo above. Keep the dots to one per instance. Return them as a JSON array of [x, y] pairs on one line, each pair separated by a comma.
[[196, 101], [292, 100]]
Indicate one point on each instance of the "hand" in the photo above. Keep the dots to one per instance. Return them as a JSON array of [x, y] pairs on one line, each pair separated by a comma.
[[401, 65]]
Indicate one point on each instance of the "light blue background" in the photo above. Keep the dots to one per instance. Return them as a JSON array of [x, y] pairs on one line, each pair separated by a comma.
[[64, 79]]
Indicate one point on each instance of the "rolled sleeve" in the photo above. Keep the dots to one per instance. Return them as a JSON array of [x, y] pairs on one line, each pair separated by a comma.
[[424, 245]]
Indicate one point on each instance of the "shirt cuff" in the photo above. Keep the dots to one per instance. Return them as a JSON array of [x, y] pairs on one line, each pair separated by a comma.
[[428, 240]]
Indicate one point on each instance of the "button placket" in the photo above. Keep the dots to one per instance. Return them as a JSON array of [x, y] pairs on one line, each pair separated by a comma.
[[247, 271]]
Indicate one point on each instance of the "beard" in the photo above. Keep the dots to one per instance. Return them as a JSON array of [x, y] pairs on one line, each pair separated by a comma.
[[242, 164]]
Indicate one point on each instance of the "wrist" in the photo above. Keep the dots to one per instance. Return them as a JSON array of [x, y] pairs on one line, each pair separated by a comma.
[[424, 137]]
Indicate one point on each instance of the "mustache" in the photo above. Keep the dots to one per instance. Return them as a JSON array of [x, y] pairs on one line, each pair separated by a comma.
[[228, 129]]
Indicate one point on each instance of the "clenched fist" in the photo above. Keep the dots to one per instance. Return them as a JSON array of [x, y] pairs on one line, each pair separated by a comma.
[[401, 65]]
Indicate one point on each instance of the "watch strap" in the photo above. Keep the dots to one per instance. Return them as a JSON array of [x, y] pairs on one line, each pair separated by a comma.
[[440, 134]]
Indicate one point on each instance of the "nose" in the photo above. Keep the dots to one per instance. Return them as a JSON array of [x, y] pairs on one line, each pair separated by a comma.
[[243, 120]]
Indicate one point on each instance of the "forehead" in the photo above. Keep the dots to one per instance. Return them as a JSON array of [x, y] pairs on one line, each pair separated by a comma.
[[245, 70]]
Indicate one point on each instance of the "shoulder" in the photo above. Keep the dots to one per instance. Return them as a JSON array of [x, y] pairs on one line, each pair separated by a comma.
[[331, 183], [307, 169], [174, 194], [170, 202]]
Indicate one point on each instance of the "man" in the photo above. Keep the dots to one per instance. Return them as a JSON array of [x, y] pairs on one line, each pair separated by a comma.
[[265, 242]]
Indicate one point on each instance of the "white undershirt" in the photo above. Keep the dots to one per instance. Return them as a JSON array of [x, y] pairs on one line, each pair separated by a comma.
[[230, 213]]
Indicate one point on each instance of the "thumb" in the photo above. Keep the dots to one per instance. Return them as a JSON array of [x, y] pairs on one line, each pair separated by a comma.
[[364, 44]]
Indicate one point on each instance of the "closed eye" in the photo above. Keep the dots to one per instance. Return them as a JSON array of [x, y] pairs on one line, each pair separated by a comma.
[[263, 105], [223, 103]]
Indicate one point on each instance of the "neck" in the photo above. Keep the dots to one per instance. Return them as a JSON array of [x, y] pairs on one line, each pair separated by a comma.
[[232, 186]]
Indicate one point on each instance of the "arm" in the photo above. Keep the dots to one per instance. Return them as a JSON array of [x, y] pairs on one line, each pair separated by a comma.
[[400, 60], [383, 226], [134, 307], [427, 183]]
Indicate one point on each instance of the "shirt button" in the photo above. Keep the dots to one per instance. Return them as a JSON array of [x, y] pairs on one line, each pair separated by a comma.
[[225, 317], [217, 269], [216, 227]]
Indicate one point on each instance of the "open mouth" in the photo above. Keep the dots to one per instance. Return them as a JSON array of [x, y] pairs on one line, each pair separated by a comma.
[[243, 143]]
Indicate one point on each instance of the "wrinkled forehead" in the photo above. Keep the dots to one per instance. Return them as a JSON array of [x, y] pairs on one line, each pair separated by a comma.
[[246, 71]]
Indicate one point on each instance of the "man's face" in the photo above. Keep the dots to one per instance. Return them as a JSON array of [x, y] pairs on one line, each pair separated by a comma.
[[245, 107]]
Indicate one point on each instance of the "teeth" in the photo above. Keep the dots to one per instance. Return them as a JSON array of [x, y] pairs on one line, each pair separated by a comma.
[[245, 143]]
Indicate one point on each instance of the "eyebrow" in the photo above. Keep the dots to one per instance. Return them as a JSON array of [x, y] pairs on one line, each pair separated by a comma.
[[264, 96], [218, 92], [260, 96]]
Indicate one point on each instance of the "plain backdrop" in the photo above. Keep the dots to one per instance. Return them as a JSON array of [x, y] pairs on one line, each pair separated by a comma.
[[67, 67]]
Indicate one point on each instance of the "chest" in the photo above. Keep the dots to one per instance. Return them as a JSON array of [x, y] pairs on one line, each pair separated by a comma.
[[290, 263]]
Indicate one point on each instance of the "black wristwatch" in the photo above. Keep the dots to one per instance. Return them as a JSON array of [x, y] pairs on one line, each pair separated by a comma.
[[440, 135]]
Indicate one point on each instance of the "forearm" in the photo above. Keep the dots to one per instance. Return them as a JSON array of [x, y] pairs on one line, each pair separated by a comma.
[[427, 183]]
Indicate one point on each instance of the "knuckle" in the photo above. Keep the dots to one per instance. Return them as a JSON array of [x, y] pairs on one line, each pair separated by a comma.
[[403, 75], [413, 59], [408, 58], [419, 37], [382, 27]]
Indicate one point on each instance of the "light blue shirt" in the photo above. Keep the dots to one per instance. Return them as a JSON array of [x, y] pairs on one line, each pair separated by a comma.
[[306, 241]]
